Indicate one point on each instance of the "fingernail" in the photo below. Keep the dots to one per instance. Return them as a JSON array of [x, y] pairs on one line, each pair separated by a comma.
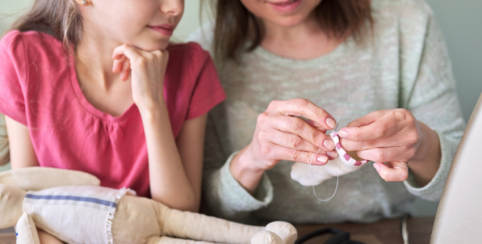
[[332, 154], [331, 122], [322, 159], [343, 134], [376, 166], [329, 144]]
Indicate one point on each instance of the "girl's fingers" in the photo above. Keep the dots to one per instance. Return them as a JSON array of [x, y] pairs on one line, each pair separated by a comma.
[[118, 63], [394, 171], [297, 126], [387, 125], [127, 51], [303, 107], [126, 70]]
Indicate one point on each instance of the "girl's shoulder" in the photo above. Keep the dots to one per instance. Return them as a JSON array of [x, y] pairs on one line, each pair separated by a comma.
[[189, 51], [24, 46], [29, 38], [188, 56]]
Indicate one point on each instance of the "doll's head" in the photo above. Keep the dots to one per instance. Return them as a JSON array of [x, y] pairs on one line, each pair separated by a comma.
[[145, 24]]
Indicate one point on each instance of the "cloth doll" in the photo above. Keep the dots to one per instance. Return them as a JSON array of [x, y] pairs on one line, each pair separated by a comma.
[[341, 165], [72, 207]]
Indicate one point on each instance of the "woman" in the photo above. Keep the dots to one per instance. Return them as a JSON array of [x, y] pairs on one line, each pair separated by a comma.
[[382, 62]]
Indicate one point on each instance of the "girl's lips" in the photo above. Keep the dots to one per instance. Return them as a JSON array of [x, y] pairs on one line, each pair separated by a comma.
[[166, 30], [285, 6]]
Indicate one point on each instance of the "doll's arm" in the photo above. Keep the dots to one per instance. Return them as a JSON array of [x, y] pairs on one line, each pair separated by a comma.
[[200, 227], [169, 240], [26, 231]]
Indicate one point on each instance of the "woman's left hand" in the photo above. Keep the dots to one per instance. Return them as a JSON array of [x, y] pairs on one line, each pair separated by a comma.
[[146, 69], [390, 138]]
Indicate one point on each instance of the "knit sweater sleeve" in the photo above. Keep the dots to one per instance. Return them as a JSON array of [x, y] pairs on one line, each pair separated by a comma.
[[428, 89]]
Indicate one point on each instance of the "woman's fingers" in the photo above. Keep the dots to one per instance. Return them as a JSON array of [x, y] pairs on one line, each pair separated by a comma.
[[387, 125], [368, 119], [289, 154], [389, 154], [298, 127], [393, 171], [404, 137], [288, 140], [303, 107]]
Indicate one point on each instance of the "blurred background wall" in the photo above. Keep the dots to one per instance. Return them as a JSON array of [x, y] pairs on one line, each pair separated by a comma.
[[460, 20]]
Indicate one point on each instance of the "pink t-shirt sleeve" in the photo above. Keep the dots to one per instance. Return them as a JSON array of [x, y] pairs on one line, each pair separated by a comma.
[[208, 91], [12, 77]]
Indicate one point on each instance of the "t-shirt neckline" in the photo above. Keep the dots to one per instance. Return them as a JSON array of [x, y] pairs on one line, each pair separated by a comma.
[[87, 105], [328, 58]]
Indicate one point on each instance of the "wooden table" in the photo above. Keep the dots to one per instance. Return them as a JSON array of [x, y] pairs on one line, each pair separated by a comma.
[[385, 232]]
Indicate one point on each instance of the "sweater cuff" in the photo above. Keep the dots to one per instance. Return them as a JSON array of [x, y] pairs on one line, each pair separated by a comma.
[[241, 199], [433, 190]]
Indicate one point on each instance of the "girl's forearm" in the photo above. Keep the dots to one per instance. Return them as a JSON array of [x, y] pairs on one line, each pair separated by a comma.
[[246, 176], [168, 181], [426, 163]]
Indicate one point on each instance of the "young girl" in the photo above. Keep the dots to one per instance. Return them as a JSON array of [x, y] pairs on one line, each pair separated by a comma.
[[95, 86]]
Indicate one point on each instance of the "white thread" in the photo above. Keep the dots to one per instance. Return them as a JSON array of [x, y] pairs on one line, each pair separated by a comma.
[[337, 177], [314, 192]]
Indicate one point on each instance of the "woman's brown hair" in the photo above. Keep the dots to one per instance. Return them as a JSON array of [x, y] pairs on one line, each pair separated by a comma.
[[235, 24], [58, 18]]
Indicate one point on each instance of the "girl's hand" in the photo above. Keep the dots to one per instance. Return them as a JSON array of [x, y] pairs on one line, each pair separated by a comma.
[[281, 135], [390, 138], [147, 71]]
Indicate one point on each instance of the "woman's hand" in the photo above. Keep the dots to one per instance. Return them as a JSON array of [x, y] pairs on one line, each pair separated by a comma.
[[147, 71], [281, 134], [392, 139]]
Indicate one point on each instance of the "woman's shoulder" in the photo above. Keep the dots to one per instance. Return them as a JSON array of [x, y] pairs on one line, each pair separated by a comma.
[[406, 10]]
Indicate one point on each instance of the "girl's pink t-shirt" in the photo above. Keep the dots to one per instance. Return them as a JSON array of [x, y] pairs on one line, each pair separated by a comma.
[[39, 88]]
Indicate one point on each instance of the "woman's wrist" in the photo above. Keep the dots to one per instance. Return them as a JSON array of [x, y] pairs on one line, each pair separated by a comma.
[[426, 162], [245, 172]]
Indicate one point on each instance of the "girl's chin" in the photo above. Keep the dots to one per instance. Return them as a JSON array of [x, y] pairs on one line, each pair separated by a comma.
[[149, 47]]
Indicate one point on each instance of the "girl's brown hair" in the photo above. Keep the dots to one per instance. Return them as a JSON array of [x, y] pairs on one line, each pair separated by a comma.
[[58, 18], [235, 24]]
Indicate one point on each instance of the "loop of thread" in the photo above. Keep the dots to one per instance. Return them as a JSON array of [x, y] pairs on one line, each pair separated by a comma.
[[314, 192]]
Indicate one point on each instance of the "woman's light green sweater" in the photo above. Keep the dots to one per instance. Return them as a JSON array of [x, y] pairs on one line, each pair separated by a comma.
[[405, 65]]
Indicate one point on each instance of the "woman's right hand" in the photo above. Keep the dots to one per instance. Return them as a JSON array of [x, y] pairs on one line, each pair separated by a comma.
[[283, 134]]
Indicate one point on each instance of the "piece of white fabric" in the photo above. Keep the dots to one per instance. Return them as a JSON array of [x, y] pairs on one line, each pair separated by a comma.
[[312, 175], [70, 212]]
